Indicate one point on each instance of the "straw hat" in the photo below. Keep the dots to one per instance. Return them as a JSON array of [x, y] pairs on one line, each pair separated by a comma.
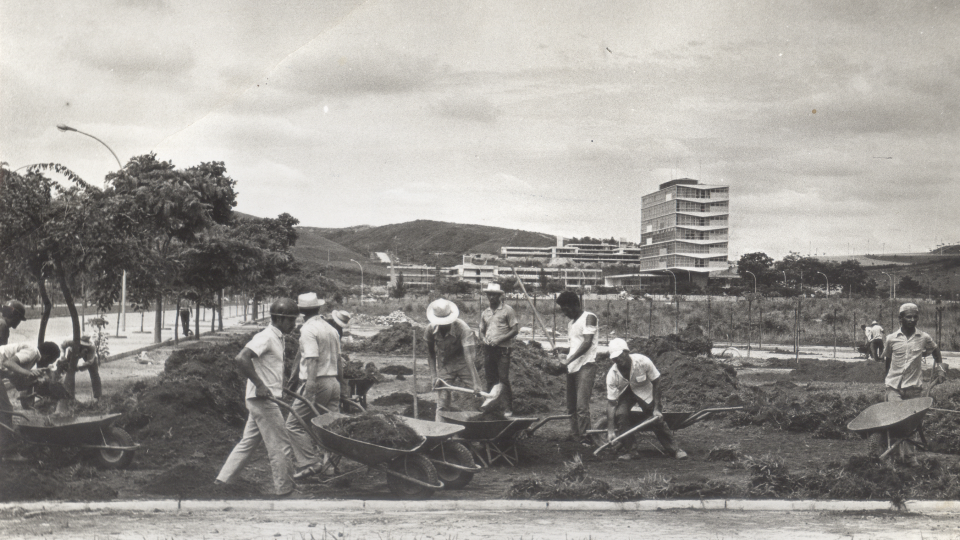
[[441, 312], [493, 288], [309, 301], [342, 318]]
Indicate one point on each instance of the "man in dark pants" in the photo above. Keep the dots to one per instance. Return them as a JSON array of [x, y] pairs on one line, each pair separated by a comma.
[[580, 362], [498, 327], [633, 381], [876, 340], [185, 320]]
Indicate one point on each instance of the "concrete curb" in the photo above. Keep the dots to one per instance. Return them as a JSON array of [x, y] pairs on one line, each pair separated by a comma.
[[737, 505]]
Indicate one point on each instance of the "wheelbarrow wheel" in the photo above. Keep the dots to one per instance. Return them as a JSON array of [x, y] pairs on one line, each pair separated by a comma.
[[457, 454], [414, 466], [114, 459], [878, 443]]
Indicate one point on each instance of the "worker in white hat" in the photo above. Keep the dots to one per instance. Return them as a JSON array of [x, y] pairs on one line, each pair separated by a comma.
[[903, 356], [876, 340], [451, 350], [498, 326], [634, 381]]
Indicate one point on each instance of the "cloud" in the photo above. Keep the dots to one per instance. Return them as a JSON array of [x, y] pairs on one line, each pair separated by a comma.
[[133, 54], [476, 108]]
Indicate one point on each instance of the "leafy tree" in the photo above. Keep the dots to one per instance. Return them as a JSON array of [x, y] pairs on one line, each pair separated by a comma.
[[909, 286], [760, 264], [542, 280], [509, 284], [399, 290]]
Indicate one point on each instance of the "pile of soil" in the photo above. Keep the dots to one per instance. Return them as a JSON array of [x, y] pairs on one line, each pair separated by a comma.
[[382, 429], [690, 342], [825, 414], [396, 340], [356, 370], [426, 410], [396, 398], [396, 369], [533, 390]]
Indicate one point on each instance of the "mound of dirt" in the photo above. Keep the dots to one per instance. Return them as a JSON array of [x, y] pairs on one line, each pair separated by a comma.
[[690, 342], [533, 390], [396, 369], [396, 398], [356, 370], [396, 340], [825, 414], [381, 429]]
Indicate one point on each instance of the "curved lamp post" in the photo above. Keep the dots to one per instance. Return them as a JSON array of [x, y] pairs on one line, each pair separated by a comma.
[[361, 280], [891, 283], [754, 280], [123, 294], [828, 283]]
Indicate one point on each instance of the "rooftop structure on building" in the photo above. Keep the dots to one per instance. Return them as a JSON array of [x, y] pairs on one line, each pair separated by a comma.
[[685, 228]]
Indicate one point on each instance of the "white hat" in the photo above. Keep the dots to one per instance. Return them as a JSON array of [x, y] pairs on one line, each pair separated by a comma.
[[342, 318], [909, 307], [441, 312], [309, 301], [874, 323], [493, 288], [617, 346]]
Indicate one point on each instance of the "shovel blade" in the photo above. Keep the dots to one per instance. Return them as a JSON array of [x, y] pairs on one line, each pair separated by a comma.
[[492, 396]]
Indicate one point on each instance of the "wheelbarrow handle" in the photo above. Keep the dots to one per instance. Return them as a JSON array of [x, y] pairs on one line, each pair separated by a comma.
[[529, 431], [306, 427], [314, 406], [638, 427]]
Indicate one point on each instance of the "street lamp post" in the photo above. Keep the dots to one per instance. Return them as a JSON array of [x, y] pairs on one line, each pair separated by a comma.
[[123, 288], [828, 283], [784, 278], [754, 280], [891, 284], [361, 280]]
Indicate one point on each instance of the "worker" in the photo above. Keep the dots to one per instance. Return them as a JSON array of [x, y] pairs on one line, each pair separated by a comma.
[[876, 341], [903, 353], [11, 315], [634, 381], [320, 375], [498, 327], [19, 362], [339, 320], [451, 350], [185, 320], [261, 363], [580, 362], [70, 363], [864, 348]]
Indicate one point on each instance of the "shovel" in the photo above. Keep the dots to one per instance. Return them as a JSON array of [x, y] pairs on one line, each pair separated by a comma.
[[490, 397]]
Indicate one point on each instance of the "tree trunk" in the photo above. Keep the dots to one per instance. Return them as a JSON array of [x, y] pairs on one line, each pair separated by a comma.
[[196, 320], [158, 321], [69, 380], [220, 307], [176, 325], [47, 308]]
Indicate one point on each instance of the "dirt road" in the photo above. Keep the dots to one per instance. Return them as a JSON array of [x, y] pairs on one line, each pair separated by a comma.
[[386, 525]]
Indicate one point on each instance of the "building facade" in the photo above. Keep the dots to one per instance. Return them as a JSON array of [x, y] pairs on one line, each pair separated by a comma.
[[685, 227]]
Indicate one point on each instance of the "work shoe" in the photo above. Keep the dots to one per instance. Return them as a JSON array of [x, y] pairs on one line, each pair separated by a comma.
[[307, 471], [680, 455]]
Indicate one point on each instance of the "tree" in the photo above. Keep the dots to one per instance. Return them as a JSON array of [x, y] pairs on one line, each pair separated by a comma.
[[909, 286], [760, 264], [542, 280], [399, 290]]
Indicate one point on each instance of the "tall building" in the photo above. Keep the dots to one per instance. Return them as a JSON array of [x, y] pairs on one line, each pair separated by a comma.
[[685, 229]]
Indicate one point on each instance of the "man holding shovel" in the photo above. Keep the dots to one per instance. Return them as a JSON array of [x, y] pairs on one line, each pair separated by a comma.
[[633, 381], [581, 363], [498, 327], [451, 350]]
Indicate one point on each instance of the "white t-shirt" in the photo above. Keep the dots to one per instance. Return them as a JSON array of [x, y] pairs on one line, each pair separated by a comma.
[[876, 332], [642, 373], [24, 354], [577, 330], [319, 340], [268, 346]]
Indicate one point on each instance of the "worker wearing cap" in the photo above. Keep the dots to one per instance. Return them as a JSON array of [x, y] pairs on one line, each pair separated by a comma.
[[498, 327], [70, 364], [634, 381], [11, 315], [20, 361], [339, 320], [876, 340], [580, 362], [321, 375], [903, 353], [451, 350], [261, 362]]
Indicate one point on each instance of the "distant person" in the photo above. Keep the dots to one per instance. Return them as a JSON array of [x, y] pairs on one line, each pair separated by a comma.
[[261, 363], [498, 327], [19, 362], [320, 382], [864, 348], [876, 341], [451, 350], [633, 380], [185, 320], [11, 315], [903, 357], [86, 359], [580, 362]]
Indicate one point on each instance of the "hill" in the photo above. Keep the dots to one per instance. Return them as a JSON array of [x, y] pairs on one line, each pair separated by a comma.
[[433, 242]]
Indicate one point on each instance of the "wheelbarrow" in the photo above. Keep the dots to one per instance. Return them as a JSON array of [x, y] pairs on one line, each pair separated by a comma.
[[453, 460], [890, 424], [492, 440], [410, 475], [674, 420], [359, 389], [112, 447]]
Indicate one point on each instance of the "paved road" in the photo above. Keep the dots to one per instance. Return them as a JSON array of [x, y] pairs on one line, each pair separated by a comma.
[[242, 522]]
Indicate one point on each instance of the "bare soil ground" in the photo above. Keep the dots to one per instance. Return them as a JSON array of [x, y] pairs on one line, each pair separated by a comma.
[[788, 442]]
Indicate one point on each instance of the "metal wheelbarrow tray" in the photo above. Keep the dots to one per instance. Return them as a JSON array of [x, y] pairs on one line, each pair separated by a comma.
[[892, 423], [497, 439], [454, 461], [113, 447]]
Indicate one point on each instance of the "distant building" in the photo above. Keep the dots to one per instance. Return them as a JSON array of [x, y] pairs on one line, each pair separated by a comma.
[[482, 274], [578, 253], [685, 228]]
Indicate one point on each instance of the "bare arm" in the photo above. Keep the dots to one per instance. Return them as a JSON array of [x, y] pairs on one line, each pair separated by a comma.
[[245, 365], [656, 397], [611, 419], [310, 385], [12, 365], [470, 355]]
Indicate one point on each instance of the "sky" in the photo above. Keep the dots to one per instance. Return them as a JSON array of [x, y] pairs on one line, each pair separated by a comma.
[[836, 124]]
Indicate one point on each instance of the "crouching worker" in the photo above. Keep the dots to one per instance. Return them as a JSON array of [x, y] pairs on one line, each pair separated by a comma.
[[84, 359], [261, 362], [633, 380], [451, 350], [21, 363], [320, 376]]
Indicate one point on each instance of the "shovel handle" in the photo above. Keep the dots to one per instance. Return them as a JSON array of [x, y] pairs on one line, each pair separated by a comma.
[[448, 386], [638, 427]]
